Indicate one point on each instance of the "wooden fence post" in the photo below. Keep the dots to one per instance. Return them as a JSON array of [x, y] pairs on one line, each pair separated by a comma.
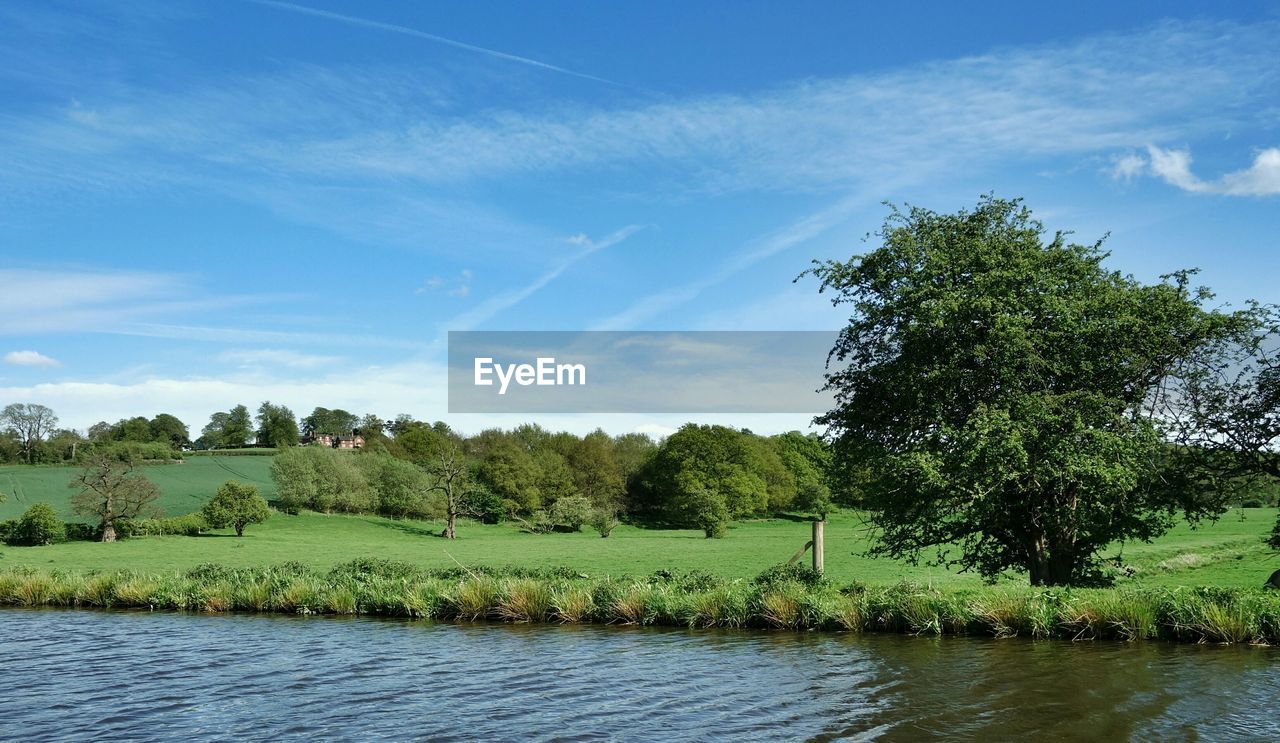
[[817, 545]]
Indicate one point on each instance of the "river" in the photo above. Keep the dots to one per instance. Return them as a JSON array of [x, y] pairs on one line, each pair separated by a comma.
[[140, 676]]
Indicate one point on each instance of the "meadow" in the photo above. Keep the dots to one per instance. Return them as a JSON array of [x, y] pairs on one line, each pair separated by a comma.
[[1229, 552], [184, 486]]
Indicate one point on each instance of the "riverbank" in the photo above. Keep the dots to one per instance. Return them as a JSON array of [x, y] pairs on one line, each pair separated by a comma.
[[782, 600], [1229, 552]]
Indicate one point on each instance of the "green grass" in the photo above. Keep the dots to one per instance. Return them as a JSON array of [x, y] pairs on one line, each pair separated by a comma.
[[185, 487], [1228, 552]]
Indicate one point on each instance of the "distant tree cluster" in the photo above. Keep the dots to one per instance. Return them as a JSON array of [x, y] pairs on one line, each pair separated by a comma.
[[705, 476], [29, 433], [701, 477]]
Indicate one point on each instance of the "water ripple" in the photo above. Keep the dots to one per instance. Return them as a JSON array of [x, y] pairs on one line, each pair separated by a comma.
[[78, 675]]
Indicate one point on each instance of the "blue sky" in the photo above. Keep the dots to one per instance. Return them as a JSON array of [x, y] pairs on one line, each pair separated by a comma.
[[203, 204]]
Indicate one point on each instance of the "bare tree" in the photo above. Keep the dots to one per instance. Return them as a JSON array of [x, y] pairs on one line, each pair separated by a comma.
[[452, 476], [111, 490], [30, 423]]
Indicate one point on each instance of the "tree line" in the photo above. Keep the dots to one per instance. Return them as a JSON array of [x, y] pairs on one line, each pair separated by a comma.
[[702, 476], [699, 477]]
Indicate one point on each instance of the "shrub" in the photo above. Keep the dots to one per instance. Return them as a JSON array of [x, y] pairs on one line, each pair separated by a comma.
[[570, 512], [189, 525], [805, 575], [80, 532], [321, 479], [236, 505], [709, 513], [132, 451], [366, 569], [38, 526], [604, 521]]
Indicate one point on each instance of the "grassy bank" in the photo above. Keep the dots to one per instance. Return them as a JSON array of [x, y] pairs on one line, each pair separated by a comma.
[[1228, 553], [697, 599]]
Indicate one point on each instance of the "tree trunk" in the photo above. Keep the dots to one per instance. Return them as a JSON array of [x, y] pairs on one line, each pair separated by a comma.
[[451, 525], [1048, 568], [108, 532], [239, 529]]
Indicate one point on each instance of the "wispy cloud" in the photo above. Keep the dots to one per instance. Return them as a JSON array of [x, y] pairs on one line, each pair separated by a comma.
[[241, 335], [273, 357], [1262, 178], [491, 307], [1096, 95], [30, 358], [95, 300], [794, 234], [456, 287], [398, 29]]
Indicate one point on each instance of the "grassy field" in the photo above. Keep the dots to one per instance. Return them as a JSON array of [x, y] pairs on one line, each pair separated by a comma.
[[1227, 553], [184, 486]]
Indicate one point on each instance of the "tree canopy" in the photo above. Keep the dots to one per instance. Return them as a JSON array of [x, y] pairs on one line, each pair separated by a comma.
[[236, 505], [277, 426], [29, 423], [993, 378]]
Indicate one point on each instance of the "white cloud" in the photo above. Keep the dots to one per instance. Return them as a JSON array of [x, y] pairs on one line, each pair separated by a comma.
[[459, 287], [278, 357], [1260, 179], [411, 388], [1128, 167], [418, 389], [1173, 166], [655, 430], [30, 358]]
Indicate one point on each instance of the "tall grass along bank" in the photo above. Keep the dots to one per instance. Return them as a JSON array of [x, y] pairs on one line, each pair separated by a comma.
[[779, 599]]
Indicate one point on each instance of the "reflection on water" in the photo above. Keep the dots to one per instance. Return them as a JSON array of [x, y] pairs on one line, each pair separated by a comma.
[[81, 674]]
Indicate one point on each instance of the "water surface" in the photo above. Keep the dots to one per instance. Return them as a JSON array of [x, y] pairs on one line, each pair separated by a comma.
[[140, 676]]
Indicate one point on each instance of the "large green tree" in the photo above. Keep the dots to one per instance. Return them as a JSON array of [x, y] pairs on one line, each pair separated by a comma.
[[168, 429], [29, 423], [324, 420], [227, 430], [277, 426], [994, 378], [702, 476]]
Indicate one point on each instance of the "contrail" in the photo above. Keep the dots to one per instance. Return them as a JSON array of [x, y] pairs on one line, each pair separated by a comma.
[[494, 305], [393, 28]]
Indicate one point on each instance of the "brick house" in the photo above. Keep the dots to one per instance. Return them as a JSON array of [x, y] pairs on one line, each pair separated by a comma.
[[348, 441]]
